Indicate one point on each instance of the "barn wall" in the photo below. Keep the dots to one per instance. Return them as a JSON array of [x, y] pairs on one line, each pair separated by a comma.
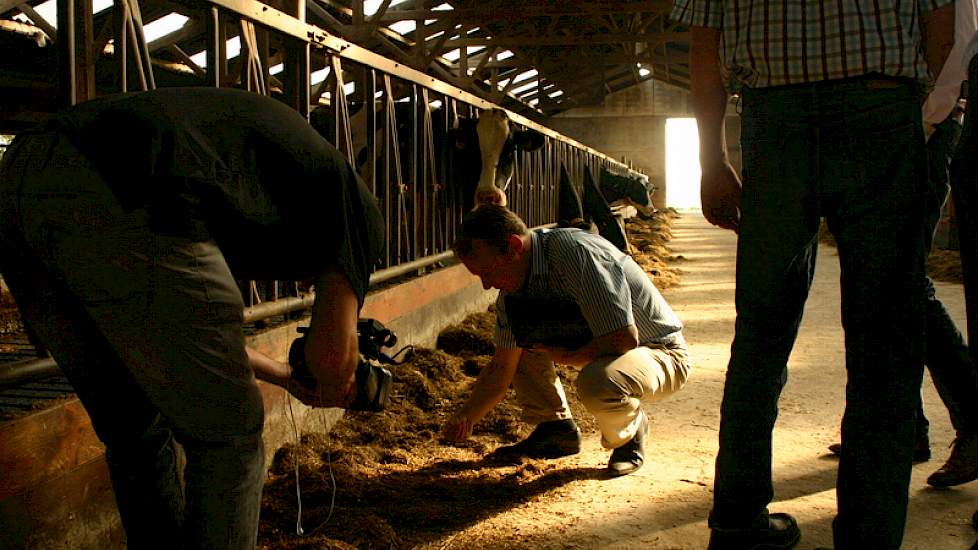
[[630, 126]]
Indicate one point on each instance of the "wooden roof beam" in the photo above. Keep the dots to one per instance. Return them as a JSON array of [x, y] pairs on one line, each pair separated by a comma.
[[484, 14], [566, 40]]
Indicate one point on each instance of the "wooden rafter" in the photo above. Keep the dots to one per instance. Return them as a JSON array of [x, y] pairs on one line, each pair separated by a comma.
[[584, 48]]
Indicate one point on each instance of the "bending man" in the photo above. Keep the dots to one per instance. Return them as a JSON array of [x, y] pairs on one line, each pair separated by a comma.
[[124, 223]]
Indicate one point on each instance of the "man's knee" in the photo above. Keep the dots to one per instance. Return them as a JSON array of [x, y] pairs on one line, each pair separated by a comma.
[[602, 382], [644, 373]]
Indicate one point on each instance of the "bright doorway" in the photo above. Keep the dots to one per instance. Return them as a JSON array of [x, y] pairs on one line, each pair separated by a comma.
[[682, 164]]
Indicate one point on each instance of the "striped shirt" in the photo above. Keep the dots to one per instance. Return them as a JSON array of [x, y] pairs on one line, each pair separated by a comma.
[[612, 291], [769, 43]]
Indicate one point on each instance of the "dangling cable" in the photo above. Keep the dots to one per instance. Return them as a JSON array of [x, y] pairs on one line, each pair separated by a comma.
[[408, 350], [329, 466], [295, 458]]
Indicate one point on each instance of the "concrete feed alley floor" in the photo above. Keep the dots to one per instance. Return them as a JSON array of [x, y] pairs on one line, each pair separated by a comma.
[[665, 504]]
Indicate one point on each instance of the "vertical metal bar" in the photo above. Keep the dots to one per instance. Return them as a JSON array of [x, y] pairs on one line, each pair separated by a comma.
[[426, 182], [142, 48], [341, 112], [261, 39], [215, 47], [370, 112], [85, 56], [120, 13], [252, 74], [395, 219], [413, 171], [67, 94], [297, 64], [134, 42]]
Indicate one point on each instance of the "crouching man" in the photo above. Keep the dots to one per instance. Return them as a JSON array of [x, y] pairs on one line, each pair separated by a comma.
[[570, 297]]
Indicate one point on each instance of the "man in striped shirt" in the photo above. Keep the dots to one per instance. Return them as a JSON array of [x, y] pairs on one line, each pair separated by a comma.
[[831, 128], [630, 347]]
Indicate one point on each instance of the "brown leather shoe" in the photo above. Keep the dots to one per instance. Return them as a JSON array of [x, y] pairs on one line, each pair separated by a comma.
[[961, 466]]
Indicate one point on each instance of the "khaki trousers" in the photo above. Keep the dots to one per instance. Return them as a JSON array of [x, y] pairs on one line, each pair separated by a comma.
[[611, 388]]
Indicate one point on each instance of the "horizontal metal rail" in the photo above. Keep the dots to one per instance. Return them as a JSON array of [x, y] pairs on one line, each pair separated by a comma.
[[28, 370], [20, 372]]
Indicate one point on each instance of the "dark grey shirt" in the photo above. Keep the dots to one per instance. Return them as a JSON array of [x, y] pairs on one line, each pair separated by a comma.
[[240, 168], [612, 291]]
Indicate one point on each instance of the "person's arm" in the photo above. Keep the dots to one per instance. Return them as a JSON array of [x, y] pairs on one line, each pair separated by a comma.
[[267, 369], [332, 351], [719, 185], [488, 390], [938, 37], [617, 342]]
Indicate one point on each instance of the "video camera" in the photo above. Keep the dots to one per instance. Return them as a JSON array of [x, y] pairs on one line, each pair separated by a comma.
[[373, 381]]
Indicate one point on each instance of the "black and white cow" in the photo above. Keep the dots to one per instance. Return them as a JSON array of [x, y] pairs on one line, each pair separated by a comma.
[[636, 189], [487, 147], [590, 214]]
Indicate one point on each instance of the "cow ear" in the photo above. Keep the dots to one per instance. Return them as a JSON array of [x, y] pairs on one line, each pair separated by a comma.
[[528, 140]]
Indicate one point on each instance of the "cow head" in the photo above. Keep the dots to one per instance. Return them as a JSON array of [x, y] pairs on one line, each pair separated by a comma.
[[489, 149]]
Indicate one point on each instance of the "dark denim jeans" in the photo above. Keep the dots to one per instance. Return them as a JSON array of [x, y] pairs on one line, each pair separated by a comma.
[[947, 356], [851, 151], [148, 330]]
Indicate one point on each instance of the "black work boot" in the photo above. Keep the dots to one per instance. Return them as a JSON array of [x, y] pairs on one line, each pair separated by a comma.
[[552, 439], [961, 466], [769, 532], [630, 456]]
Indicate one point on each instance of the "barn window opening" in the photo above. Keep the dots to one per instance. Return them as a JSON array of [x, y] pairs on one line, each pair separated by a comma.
[[164, 26], [682, 164], [370, 7], [232, 49], [403, 27], [49, 11], [453, 55], [520, 89]]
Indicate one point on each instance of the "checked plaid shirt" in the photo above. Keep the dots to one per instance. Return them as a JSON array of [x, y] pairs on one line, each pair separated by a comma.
[[774, 43]]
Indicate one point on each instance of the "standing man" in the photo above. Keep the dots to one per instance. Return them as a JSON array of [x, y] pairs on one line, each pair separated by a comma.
[[124, 222], [629, 344], [947, 356], [831, 126], [948, 359]]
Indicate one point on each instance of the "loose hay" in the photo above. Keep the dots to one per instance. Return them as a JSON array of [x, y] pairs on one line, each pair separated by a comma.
[[945, 265], [942, 265], [649, 238], [397, 484]]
